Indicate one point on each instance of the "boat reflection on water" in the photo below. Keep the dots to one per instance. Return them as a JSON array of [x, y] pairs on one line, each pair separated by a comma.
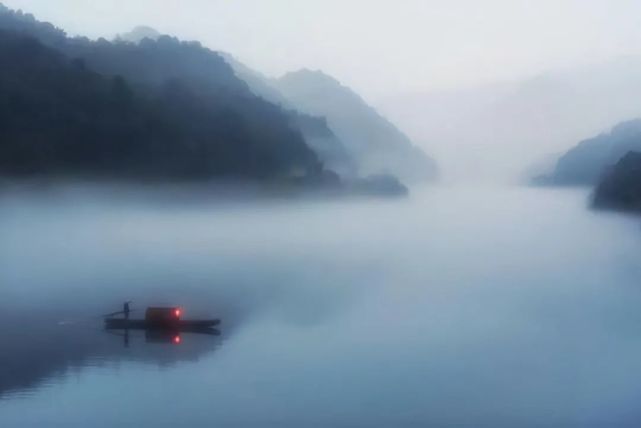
[[159, 336], [46, 351]]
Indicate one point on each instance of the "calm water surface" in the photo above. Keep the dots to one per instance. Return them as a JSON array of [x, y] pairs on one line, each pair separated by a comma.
[[495, 307]]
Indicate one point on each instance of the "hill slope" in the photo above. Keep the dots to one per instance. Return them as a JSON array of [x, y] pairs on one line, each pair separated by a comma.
[[620, 188], [318, 135], [585, 163], [158, 108], [376, 144]]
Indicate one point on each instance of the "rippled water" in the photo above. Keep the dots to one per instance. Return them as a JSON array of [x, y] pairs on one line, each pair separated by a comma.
[[458, 306]]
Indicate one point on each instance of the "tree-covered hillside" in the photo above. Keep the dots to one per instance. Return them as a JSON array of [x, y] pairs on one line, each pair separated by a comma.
[[319, 136], [161, 108], [585, 163], [620, 187], [357, 135], [375, 143]]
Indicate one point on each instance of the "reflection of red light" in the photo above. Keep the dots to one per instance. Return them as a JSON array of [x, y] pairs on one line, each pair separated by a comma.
[[177, 340], [177, 312]]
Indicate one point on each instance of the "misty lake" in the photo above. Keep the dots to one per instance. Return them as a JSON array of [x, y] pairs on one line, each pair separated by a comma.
[[482, 306]]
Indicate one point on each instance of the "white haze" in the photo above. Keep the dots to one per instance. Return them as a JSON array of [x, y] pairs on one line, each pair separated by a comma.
[[381, 46], [515, 130]]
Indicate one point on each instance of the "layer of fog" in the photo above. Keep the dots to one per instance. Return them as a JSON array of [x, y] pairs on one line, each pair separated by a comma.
[[492, 305], [510, 131], [72, 253]]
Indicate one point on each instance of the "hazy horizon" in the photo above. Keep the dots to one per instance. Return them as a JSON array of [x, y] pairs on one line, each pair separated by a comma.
[[397, 48]]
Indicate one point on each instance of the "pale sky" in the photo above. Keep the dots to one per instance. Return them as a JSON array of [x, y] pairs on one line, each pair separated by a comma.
[[378, 47]]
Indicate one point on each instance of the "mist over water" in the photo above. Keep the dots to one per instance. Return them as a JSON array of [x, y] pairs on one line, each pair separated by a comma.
[[475, 306], [165, 155]]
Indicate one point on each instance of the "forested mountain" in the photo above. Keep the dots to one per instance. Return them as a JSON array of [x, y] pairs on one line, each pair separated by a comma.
[[585, 163], [376, 144], [620, 187], [396, 154], [161, 108], [318, 134], [357, 140]]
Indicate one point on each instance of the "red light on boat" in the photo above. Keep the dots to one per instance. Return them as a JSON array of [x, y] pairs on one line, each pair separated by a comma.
[[177, 340], [177, 313]]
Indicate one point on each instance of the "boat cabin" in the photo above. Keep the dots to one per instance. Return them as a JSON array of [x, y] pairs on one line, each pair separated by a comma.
[[162, 315]]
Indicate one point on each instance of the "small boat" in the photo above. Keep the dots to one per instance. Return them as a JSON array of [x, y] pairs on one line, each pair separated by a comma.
[[158, 319]]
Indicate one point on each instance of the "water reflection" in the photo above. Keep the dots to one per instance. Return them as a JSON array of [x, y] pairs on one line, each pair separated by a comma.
[[68, 255], [173, 337], [504, 307], [41, 347]]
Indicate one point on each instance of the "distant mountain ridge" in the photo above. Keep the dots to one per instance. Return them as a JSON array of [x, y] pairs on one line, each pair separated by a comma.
[[331, 150], [375, 142], [586, 163], [258, 83], [370, 147], [139, 33], [495, 131]]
